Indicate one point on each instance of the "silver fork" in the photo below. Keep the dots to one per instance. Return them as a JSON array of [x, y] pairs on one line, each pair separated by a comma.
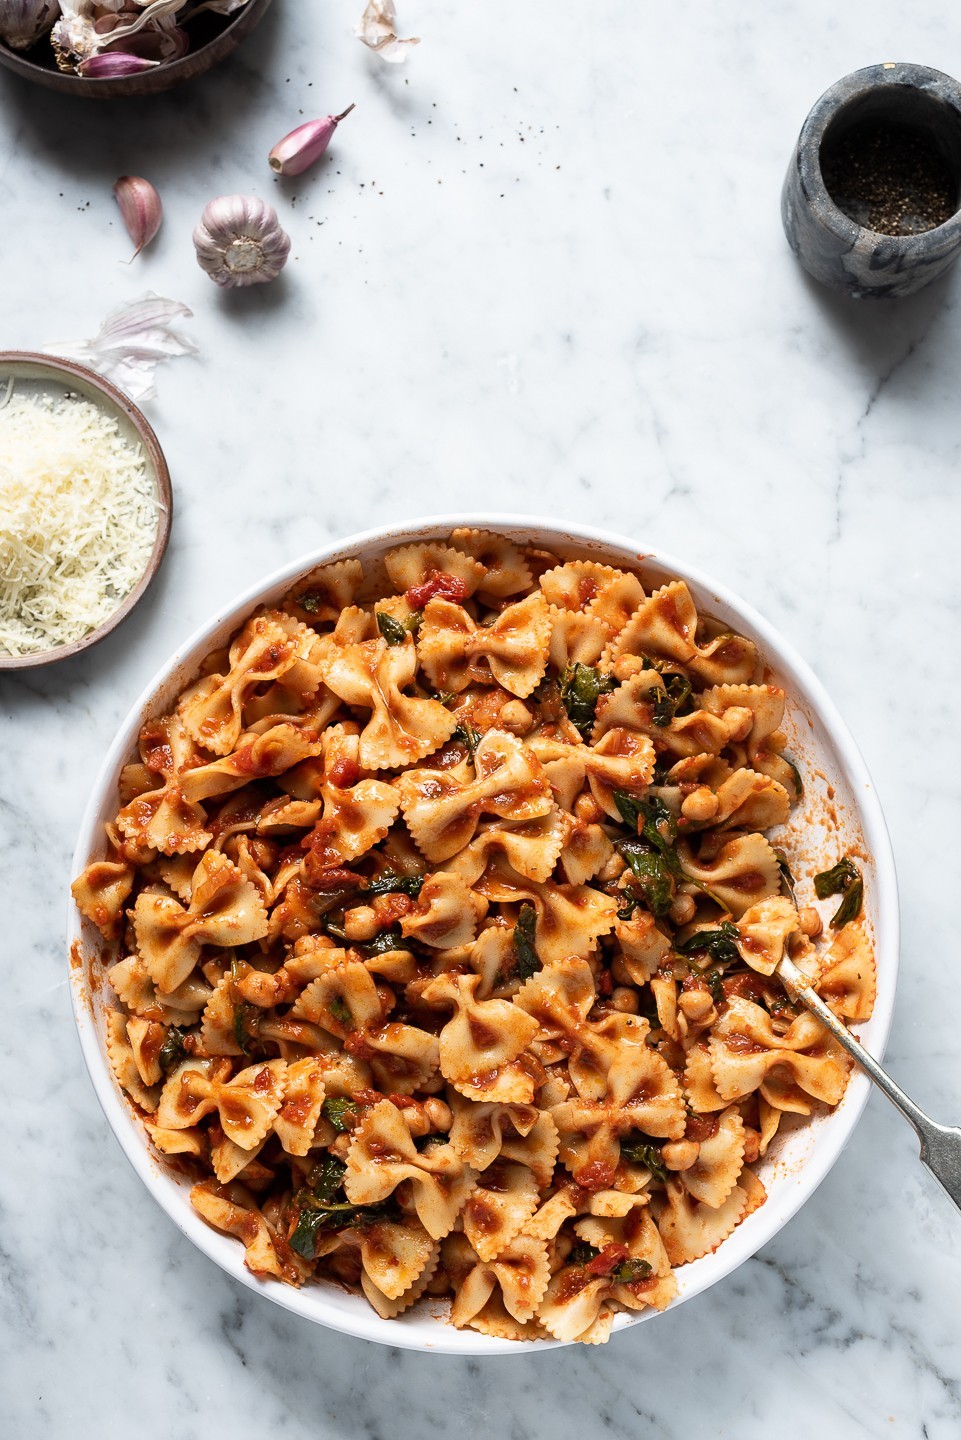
[[940, 1144]]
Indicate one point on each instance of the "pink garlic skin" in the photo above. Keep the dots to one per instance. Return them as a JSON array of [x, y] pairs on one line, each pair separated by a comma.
[[141, 208], [240, 241], [108, 65], [304, 146]]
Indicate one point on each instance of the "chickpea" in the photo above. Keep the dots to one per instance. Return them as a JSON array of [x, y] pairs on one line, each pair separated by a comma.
[[361, 923], [439, 1115], [515, 717], [587, 809], [620, 971], [627, 665], [696, 1004], [415, 1118], [439, 1285], [625, 1000], [612, 869], [340, 1146], [810, 922], [752, 1145], [682, 910], [700, 805], [741, 720], [563, 1245], [680, 1154]]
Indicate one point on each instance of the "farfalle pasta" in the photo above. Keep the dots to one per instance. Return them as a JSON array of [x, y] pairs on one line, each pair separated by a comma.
[[445, 925]]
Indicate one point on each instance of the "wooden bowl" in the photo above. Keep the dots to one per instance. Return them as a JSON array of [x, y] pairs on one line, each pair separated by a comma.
[[53, 373], [219, 38]]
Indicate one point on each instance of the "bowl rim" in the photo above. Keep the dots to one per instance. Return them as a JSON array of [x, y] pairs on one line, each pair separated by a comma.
[[54, 368], [834, 1133]]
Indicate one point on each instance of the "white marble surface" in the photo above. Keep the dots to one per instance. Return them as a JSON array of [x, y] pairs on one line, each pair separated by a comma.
[[541, 269]]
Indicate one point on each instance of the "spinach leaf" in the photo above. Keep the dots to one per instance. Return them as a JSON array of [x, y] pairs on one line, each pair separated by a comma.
[[339, 1111], [787, 878], [310, 603], [720, 944], [654, 876], [795, 774], [651, 819], [468, 736], [670, 701], [528, 962], [845, 879], [392, 630], [716, 986], [245, 1026], [629, 1270], [643, 1152], [340, 1010], [390, 883], [582, 1253], [389, 939], [171, 1051], [581, 686], [327, 1178]]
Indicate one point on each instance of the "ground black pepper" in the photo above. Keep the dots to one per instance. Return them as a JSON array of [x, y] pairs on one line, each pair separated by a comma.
[[890, 178]]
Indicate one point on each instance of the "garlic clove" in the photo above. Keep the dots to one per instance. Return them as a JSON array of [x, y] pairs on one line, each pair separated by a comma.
[[141, 209], [23, 22], [109, 64], [240, 241], [304, 146]]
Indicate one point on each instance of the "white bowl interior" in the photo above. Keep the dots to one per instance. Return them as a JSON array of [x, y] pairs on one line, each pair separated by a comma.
[[839, 814]]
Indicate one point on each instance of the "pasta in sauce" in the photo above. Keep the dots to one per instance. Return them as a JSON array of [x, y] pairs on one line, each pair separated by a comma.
[[448, 930]]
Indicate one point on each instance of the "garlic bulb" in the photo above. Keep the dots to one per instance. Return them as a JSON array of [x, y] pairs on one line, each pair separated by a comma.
[[240, 241], [22, 22]]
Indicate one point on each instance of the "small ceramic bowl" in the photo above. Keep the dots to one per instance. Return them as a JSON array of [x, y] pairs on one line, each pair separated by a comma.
[[839, 812], [833, 243], [42, 372], [219, 38]]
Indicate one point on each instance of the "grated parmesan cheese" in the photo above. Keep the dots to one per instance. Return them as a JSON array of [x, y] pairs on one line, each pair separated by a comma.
[[78, 519]]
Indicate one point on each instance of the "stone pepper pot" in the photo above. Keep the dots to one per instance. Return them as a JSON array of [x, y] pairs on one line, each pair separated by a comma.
[[830, 244]]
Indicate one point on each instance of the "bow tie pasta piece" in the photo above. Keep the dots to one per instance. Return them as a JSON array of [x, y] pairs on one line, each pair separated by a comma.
[[531, 848], [481, 1132], [402, 729], [264, 650], [570, 918], [621, 760], [577, 638], [586, 586], [446, 913], [225, 909], [505, 1199], [764, 741], [691, 1229], [131, 983], [506, 572], [382, 1155], [357, 812], [515, 645], [100, 892], [442, 812], [246, 1105], [634, 704], [232, 1209], [644, 948], [507, 1287], [749, 801], [740, 872], [719, 1162], [320, 596], [763, 933], [665, 628], [483, 1035], [745, 1049], [848, 981], [591, 1131], [304, 1095], [163, 818], [263, 756], [630, 1257], [422, 571], [404, 1245], [123, 1062], [343, 999]]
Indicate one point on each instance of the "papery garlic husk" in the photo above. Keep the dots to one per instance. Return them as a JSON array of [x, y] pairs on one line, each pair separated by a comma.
[[377, 30], [304, 146], [23, 22], [87, 27], [240, 241], [141, 208], [130, 344], [110, 64]]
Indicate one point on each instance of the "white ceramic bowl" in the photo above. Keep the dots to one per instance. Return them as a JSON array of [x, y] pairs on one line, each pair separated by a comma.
[[823, 827]]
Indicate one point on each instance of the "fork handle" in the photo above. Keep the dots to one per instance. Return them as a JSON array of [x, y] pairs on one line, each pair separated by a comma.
[[940, 1144]]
